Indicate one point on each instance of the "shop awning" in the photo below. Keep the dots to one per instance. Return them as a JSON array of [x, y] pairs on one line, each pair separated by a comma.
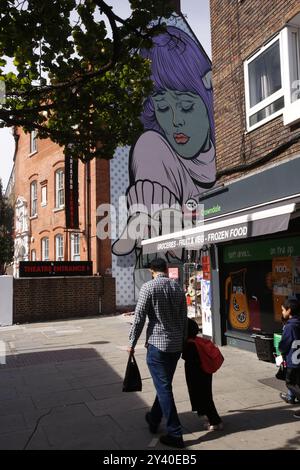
[[270, 218]]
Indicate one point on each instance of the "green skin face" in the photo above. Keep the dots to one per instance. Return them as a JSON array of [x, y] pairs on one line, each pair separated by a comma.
[[184, 119]]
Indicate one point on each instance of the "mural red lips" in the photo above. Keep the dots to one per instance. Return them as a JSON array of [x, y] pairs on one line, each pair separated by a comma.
[[181, 138]]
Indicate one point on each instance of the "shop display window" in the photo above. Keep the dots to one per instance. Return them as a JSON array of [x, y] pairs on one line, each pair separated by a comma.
[[256, 279]]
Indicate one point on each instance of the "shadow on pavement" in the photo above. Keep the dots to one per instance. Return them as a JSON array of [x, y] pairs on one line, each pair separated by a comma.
[[69, 399]]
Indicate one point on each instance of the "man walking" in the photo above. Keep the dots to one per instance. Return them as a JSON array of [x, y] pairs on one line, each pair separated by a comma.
[[163, 301]]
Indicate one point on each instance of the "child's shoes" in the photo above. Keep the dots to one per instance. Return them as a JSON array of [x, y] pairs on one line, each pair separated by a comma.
[[213, 427]]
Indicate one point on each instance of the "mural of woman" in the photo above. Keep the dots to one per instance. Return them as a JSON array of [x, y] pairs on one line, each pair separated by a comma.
[[173, 161]]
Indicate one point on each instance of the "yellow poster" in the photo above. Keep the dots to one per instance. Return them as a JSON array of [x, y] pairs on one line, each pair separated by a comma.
[[236, 296]]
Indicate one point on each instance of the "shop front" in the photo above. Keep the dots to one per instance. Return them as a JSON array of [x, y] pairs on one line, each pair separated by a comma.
[[249, 249], [255, 279]]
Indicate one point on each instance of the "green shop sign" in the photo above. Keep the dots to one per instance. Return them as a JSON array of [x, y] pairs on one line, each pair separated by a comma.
[[212, 210], [263, 250]]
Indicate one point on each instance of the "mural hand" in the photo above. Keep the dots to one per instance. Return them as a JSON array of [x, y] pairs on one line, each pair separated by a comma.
[[139, 227]]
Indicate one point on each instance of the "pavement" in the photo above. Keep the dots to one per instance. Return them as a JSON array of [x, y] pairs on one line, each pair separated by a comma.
[[61, 388]]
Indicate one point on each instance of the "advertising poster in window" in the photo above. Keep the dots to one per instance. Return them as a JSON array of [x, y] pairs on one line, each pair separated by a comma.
[[236, 295], [206, 267], [173, 273], [206, 307], [282, 283]]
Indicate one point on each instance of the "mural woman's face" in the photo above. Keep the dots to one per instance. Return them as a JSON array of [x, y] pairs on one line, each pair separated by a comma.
[[184, 119]]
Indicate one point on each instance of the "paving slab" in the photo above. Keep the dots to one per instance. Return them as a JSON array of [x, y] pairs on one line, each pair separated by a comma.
[[83, 435], [16, 406], [12, 423], [51, 400]]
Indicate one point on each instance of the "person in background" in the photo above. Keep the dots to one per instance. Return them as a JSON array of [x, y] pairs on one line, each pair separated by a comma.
[[290, 396], [163, 301], [289, 345], [199, 383]]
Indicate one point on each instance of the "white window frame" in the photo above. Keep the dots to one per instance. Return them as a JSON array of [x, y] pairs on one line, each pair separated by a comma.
[[59, 247], [33, 142], [45, 248], [33, 255], [59, 189], [75, 243], [292, 107], [44, 195], [250, 111], [33, 199]]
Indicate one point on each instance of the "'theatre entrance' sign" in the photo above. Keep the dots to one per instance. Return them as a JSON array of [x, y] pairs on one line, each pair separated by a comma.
[[55, 268]]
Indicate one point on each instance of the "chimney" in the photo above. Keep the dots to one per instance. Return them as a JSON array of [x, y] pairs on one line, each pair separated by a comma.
[[176, 5]]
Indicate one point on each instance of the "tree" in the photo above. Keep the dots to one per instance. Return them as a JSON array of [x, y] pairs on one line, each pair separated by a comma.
[[75, 82], [6, 232]]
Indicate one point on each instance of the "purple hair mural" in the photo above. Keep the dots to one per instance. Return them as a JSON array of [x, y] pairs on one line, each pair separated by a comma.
[[178, 63], [173, 161]]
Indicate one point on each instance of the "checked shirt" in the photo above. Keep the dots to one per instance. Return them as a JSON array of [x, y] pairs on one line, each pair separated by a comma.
[[162, 300]]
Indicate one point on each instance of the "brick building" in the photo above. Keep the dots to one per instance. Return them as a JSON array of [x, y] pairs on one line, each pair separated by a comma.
[[40, 227], [256, 78], [252, 120]]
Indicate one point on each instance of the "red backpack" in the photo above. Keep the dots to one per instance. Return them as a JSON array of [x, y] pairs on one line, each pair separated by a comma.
[[210, 355]]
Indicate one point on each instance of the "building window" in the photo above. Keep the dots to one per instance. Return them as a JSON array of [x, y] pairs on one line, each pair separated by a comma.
[[75, 247], [272, 79], [45, 249], [44, 196], [291, 66], [264, 90], [33, 199], [59, 189], [33, 255], [59, 248], [33, 142]]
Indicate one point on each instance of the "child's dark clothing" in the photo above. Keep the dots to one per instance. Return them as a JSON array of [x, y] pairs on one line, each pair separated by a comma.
[[287, 347], [199, 384]]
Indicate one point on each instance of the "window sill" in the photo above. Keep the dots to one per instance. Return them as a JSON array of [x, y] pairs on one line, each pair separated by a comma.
[[44, 205], [32, 217], [58, 209], [32, 153], [263, 121]]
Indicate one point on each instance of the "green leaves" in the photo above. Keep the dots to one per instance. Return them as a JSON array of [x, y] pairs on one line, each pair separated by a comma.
[[74, 80]]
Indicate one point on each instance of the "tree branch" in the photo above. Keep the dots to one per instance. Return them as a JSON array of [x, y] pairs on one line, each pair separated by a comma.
[[107, 10]]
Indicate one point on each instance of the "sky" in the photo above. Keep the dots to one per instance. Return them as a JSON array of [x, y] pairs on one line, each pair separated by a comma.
[[197, 15]]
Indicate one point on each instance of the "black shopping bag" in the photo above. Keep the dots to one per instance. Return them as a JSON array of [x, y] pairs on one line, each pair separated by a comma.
[[281, 373], [132, 380]]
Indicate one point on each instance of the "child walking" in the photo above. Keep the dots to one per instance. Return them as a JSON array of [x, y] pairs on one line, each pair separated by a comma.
[[199, 383], [288, 346]]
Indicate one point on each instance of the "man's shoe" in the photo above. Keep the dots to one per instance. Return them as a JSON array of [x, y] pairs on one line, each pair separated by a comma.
[[297, 414], [287, 399], [172, 441], [152, 426]]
